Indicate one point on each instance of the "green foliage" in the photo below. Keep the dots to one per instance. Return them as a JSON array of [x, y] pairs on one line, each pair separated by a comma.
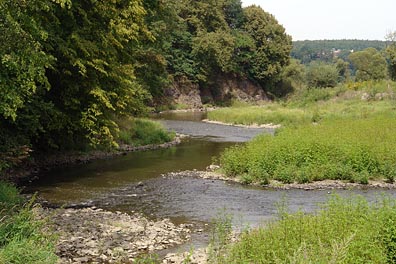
[[272, 45], [369, 64], [22, 239], [324, 50], [343, 70], [338, 233], [215, 50], [23, 61], [329, 134], [70, 69], [345, 149], [390, 53], [9, 195], [267, 114], [140, 132], [305, 106], [220, 237], [321, 75]]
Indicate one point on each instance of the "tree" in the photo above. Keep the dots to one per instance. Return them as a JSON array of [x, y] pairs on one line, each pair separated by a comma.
[[390, 52], [292, 78], [272, 45], [369, 64], [233, 13], [321, 75], [93, 78], [343, 70], [22, 60]]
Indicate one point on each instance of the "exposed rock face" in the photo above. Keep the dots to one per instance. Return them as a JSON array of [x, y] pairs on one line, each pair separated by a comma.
[[185, 93], [222, 90], [92, 235], [227, 87]]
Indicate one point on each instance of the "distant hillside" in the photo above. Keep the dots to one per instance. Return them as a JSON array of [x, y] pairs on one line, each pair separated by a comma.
[[325, 50]]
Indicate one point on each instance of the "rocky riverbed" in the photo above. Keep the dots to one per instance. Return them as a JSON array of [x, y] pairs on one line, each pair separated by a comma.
[[93, 235]]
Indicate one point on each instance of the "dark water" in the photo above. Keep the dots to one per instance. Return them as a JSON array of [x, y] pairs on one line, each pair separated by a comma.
[[91, 181], [113, 183]]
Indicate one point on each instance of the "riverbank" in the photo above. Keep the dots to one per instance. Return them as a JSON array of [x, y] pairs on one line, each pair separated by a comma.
[[273, 184], [94, 235], [254, 125], [30, 169]]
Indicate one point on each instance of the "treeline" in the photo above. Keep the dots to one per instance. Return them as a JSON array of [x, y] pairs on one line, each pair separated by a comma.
[[376, 62], [71, 69], [325, 50]]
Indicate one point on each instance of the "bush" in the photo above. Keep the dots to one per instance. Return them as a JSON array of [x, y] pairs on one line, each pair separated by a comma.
[[139, 132], [321, 75], [9, 195]]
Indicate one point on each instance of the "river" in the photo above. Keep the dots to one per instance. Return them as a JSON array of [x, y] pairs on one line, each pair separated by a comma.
[[137, 182]]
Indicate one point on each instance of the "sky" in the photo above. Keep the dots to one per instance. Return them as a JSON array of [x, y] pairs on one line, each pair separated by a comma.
[[336, 19]]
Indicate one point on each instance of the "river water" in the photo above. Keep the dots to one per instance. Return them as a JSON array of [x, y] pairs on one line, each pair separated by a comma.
[[136, 182]]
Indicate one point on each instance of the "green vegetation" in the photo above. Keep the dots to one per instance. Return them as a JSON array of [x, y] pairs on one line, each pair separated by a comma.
[[69, 69], [345, 230], [321, 75], [370, 64], [323, 50], [309, 105], [327, 134], [139, 132], [339, 149], [22, 235]]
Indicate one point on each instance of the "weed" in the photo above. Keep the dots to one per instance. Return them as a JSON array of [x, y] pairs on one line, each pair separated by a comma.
[[138, 132], [340, 232]]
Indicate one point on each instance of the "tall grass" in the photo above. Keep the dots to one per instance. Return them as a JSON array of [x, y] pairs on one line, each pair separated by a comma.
[[345, 230], [340, 149], [139, 132], [313, 105], [22, 239]]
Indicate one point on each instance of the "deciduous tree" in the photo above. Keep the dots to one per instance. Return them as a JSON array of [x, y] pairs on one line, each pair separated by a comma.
[[369, 64]]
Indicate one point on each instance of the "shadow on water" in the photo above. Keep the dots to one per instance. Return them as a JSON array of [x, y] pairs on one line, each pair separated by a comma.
[[82, 182]]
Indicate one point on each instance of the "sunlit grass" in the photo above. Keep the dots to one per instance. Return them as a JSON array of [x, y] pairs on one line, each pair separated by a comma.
[[22, 239], [345, 230], [139, 132], [313, 105], [340, 149]]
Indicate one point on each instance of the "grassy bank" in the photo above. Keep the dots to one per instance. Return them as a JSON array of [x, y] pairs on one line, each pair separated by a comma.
[[140, 132], [343, 231], [313, 105], [339, 149], [327, 134], [22, 236]]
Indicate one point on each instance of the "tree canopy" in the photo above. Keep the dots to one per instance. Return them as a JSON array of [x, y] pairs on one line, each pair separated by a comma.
[[69, 69], [369, 64]]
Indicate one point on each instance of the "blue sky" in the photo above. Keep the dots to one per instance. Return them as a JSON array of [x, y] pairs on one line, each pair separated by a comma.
[[337, 19]]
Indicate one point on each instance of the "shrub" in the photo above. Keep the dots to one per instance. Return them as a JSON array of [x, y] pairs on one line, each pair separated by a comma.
[[321, 75], [138, 132], [9, 195]]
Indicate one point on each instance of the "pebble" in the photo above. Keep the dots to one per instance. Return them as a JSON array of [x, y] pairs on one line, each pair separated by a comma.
[[93, 235]]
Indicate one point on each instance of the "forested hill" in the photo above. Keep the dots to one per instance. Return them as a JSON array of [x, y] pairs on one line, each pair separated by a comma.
[[71, 69], [308, 50]]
